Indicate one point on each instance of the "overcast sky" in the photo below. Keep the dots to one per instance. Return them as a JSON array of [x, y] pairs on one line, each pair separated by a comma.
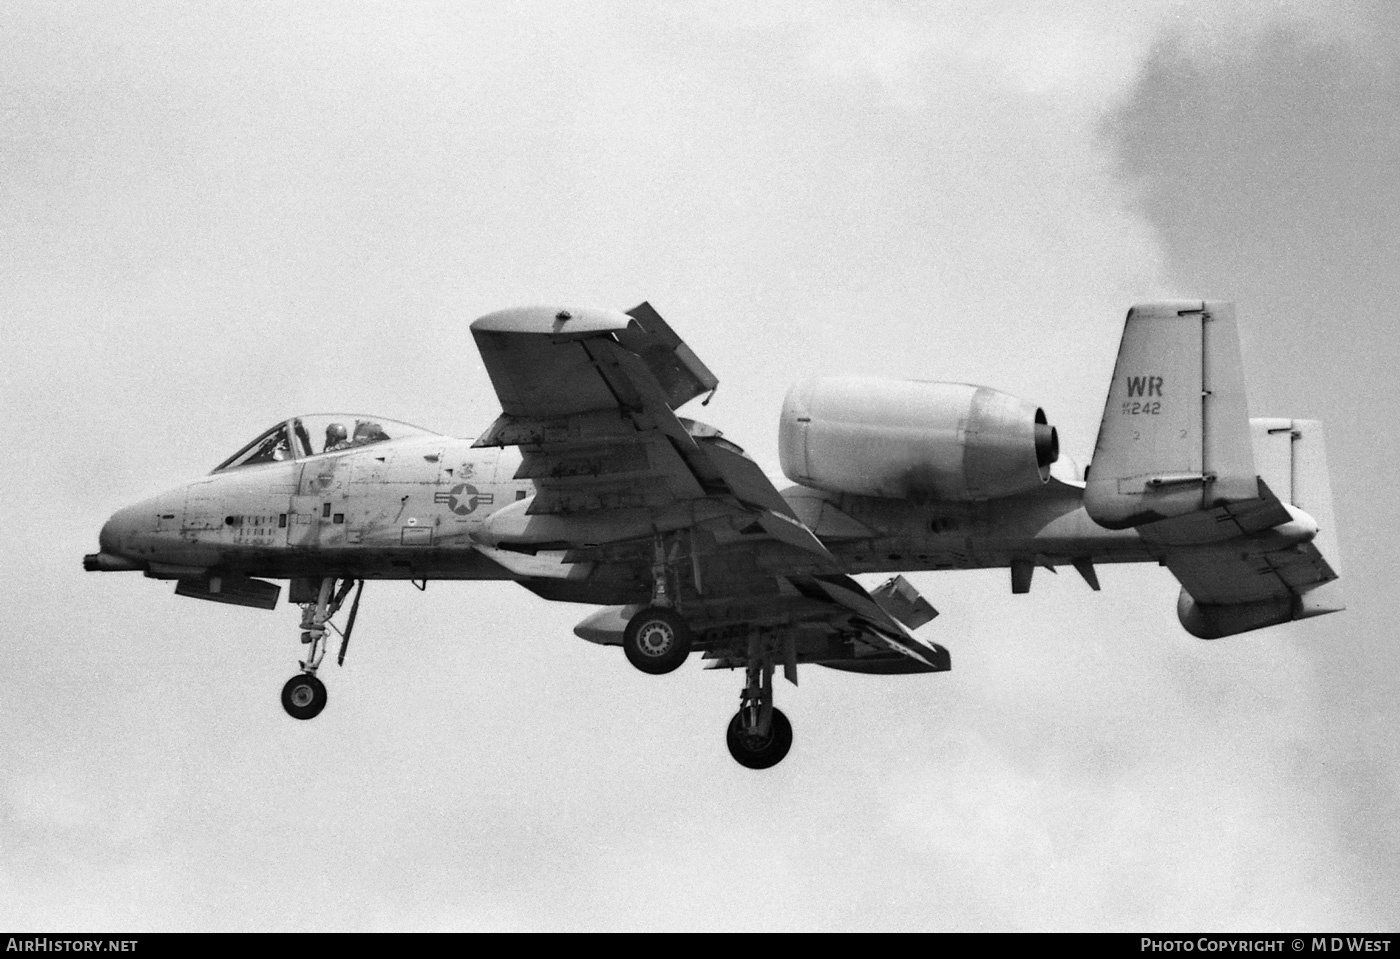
[[216, 215]]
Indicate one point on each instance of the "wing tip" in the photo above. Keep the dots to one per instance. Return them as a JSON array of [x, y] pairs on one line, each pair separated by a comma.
[[552, 320]]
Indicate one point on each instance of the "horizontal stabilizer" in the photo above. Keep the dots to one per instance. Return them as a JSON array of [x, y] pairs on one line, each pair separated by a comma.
[[1264, 579]]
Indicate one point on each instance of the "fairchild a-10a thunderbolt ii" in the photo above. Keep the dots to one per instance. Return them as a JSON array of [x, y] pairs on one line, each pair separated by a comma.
[[589, 488]]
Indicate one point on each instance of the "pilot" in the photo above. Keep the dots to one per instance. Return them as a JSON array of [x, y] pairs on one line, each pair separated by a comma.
[[335, 437], [367, 432]]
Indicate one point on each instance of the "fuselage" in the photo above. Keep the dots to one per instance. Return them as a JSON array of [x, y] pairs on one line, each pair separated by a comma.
[[419, 507]]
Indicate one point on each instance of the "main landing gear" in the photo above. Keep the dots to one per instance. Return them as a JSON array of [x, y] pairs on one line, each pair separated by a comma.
[[759, 735], [657, 640], [304, 696]]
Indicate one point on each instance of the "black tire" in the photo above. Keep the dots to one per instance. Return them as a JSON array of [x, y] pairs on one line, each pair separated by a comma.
[[656, 640], [304, 696], [758, 753]]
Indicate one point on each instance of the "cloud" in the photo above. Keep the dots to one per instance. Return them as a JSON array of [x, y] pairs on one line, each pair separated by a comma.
[[1266, 167]]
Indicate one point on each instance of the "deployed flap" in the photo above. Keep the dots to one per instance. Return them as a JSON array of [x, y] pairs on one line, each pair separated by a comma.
[[1174, 437], [879, 626], [900, 599]]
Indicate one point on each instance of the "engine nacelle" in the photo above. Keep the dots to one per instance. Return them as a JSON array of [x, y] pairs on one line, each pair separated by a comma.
[[904, 439]]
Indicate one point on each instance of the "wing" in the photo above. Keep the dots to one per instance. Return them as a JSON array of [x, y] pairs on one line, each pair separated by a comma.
[[590, 396]]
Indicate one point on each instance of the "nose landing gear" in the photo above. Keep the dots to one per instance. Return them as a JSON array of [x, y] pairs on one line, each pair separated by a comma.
[[304, 696]]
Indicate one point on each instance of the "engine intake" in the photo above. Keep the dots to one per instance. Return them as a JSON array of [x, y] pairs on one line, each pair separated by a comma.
[[904, 439]]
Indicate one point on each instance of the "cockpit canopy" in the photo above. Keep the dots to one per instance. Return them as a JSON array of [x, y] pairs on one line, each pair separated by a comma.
[[317, 433]]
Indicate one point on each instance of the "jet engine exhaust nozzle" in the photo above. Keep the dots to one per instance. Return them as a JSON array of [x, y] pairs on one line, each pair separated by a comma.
[[1047, 441]]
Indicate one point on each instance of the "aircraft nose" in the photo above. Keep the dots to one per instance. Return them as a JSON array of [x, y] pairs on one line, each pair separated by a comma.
[[115, 531], [117, 539], [123, 533]]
